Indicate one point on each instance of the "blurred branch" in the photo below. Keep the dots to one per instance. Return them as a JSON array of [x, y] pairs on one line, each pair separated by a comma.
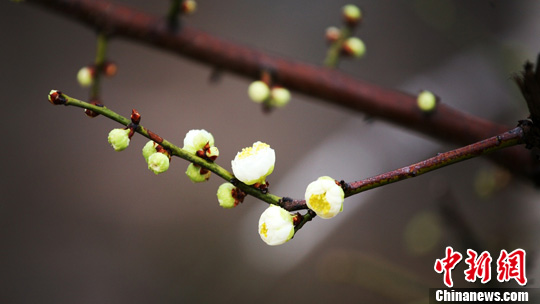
[[445, 123]]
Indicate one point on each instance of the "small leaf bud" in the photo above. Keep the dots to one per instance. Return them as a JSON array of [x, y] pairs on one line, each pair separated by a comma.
[[56, 98], [149, 149], [197, 174], [85, 76], [426, 101], [258, 91], [352, 14], [354, 47], [119, 139], [110, 69], [225, 196], [280, 96], [158, 162]]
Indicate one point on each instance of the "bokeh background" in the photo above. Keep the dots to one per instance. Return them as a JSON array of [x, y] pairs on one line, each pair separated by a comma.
[[81, 223]]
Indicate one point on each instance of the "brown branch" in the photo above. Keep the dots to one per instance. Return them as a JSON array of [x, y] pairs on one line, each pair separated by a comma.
[[445, 123], [502, 141]]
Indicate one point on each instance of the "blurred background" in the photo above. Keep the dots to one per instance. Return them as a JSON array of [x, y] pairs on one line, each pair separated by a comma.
[[81, 223]]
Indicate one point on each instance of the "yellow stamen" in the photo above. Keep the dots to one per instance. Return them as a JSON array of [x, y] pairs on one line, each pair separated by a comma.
[[319, 204], [250, 151], [264, 230]]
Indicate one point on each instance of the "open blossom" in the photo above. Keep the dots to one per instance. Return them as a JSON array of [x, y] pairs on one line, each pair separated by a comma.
[[276, 226], [195, 140], [325, 197], [253, 164]]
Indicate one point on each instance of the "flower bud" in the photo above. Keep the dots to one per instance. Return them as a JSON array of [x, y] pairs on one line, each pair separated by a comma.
[[195, 140], [325, 197], [119, 139], [352, 14], [194, 173], [332, 33], [426, 101], [85, 76], [258, 91], [354, 47], [276, 226], [280, 96], [189, 7], [110, 69], [149, 149], [158, 162], [253, 164], [212, 153], [225, 196]]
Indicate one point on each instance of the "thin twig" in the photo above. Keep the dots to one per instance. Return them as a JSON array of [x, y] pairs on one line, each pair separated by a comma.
[[176, 151], [445, 123], [504, 140]]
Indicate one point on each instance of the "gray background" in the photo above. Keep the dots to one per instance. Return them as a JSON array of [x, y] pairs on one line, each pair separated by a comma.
[[80, 223]]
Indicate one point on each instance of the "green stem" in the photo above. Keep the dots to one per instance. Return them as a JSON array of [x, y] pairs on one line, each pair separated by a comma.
[[101, 55], [334, 51], [173, 15], [175, 150]]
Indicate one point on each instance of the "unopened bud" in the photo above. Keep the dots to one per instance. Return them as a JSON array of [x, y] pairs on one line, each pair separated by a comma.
[[149, 149], [197, 174], [110, 69], [352, 14], [280, 96], [426, 101], [332, 34], [85, 76], [354, 47], [158, 162], [212, 153], [119, 139], [189, 7], [258, 91], [225, 196]]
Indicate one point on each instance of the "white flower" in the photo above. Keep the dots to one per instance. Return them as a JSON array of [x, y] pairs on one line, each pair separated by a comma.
[[119, 139], [253, 164], [325, 197], [195, 140], [276, 226]]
